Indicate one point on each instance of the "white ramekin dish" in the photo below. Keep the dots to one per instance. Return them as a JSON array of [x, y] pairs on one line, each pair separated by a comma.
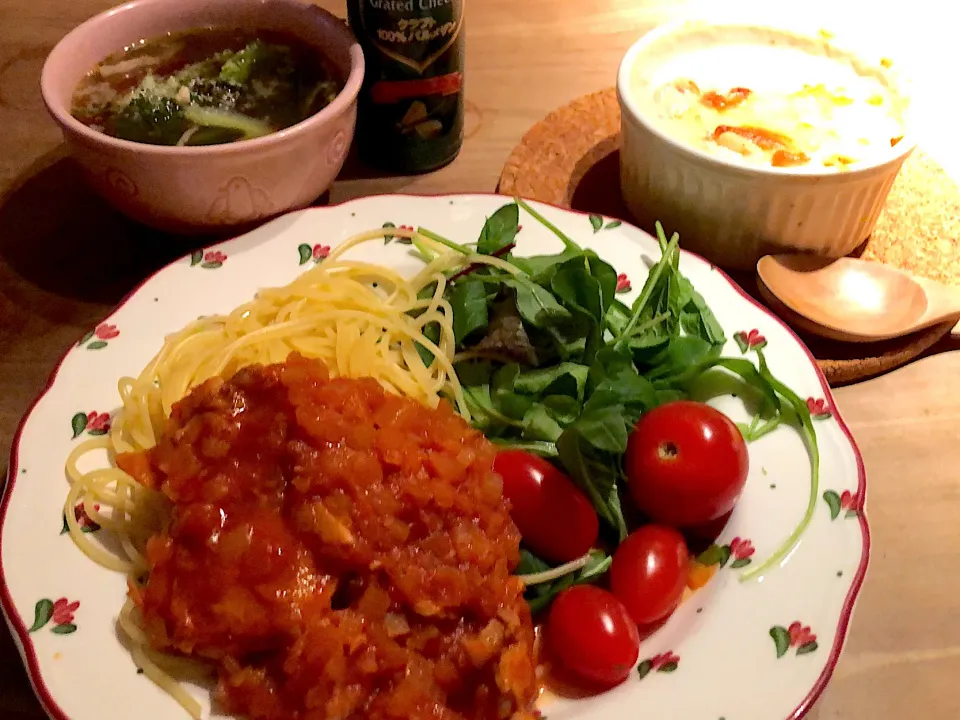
[[728, 211]]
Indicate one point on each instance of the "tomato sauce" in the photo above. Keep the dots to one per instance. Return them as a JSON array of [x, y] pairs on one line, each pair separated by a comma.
[[337, 552]]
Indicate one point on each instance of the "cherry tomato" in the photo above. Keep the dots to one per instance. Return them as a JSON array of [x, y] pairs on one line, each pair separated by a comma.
[[591, 634], [556, 520], [649, 573], [686, 463]]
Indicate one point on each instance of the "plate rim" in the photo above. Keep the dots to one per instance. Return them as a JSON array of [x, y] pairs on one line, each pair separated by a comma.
[[18, 628]]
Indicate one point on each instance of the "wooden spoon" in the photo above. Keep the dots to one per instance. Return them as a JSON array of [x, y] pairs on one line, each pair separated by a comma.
[[854, 300]]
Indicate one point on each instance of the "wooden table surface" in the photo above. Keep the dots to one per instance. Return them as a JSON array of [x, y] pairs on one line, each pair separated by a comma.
[[65, 259]]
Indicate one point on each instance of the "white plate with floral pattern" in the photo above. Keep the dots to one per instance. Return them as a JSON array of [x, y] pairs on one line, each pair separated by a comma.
[[784, 632]]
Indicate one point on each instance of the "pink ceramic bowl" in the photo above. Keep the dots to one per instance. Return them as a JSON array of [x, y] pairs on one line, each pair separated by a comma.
[[201, 189]]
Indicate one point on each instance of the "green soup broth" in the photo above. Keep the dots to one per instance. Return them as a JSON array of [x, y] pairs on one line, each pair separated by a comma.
[[206, 87]]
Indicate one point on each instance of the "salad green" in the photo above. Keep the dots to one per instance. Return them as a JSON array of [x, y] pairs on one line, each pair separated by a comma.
[[552, 362]]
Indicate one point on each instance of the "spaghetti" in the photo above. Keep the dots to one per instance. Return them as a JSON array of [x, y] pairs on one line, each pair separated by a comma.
[[360, 319]]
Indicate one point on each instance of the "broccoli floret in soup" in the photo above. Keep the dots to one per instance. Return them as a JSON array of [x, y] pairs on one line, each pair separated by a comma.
[[148, 118]]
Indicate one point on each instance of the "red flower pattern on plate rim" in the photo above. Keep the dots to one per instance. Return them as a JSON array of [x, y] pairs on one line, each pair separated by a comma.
[[849, 501], [750, 340], [86, 523], [663, 659], [741, 549], [208, 259], [623, 283], [800, 634], [106, 331], [801, 710], [84, 520], [320, 252], [63, 611], [819, 408], [59, 612], [98, 421], [797, 637], [97, 338], [93, 422], [737, 553], [665, 662]]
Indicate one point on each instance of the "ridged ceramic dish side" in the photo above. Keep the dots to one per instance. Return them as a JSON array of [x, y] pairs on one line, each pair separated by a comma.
[[734, 218]]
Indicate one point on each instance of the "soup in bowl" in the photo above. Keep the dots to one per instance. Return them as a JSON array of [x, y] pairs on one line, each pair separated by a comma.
[[197, 116], [205, 87]]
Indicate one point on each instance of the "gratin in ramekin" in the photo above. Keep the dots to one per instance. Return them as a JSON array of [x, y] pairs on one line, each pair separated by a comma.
[[733, 213]]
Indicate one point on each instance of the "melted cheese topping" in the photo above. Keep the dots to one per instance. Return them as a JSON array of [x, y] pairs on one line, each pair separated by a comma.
[[778, 103]]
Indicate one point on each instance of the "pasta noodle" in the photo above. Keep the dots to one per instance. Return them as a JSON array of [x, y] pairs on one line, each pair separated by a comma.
[[360, 319]]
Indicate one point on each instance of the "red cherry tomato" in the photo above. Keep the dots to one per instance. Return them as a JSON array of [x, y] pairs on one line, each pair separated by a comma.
[[686, 463], [592, 636], [649, 573], [556, 520]]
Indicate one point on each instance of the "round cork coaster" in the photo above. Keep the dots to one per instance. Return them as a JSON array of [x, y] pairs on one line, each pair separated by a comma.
[[571, 159]]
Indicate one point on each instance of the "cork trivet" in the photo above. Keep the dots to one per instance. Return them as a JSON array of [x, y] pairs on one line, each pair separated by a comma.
[[571, 159]]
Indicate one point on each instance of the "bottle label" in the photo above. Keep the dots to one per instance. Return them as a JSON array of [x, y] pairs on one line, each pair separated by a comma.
[[414, 33]]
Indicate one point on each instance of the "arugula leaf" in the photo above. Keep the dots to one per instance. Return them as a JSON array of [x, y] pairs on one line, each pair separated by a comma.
[[617, 317], [499, 230], [568, 244], [469, 300], [539, 425], [505, 398], [565, 410], [586, 285], [482, 412], [530, 564], [541, 267], [446, 242], [607, 277], [541, 595], [475, 379], [535, 303], [578, 289], [652, 298], [614, 381], [541, 448], [603, 428], [431, 331], [564, 379], [567, 341], [681, 359], [697, 318], [749, 373], [799, 406], [596, 472], [785, 406], [474, 372]]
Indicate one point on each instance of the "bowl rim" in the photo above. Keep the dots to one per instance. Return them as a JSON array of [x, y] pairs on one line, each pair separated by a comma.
[[631, 111], [61, 114]]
